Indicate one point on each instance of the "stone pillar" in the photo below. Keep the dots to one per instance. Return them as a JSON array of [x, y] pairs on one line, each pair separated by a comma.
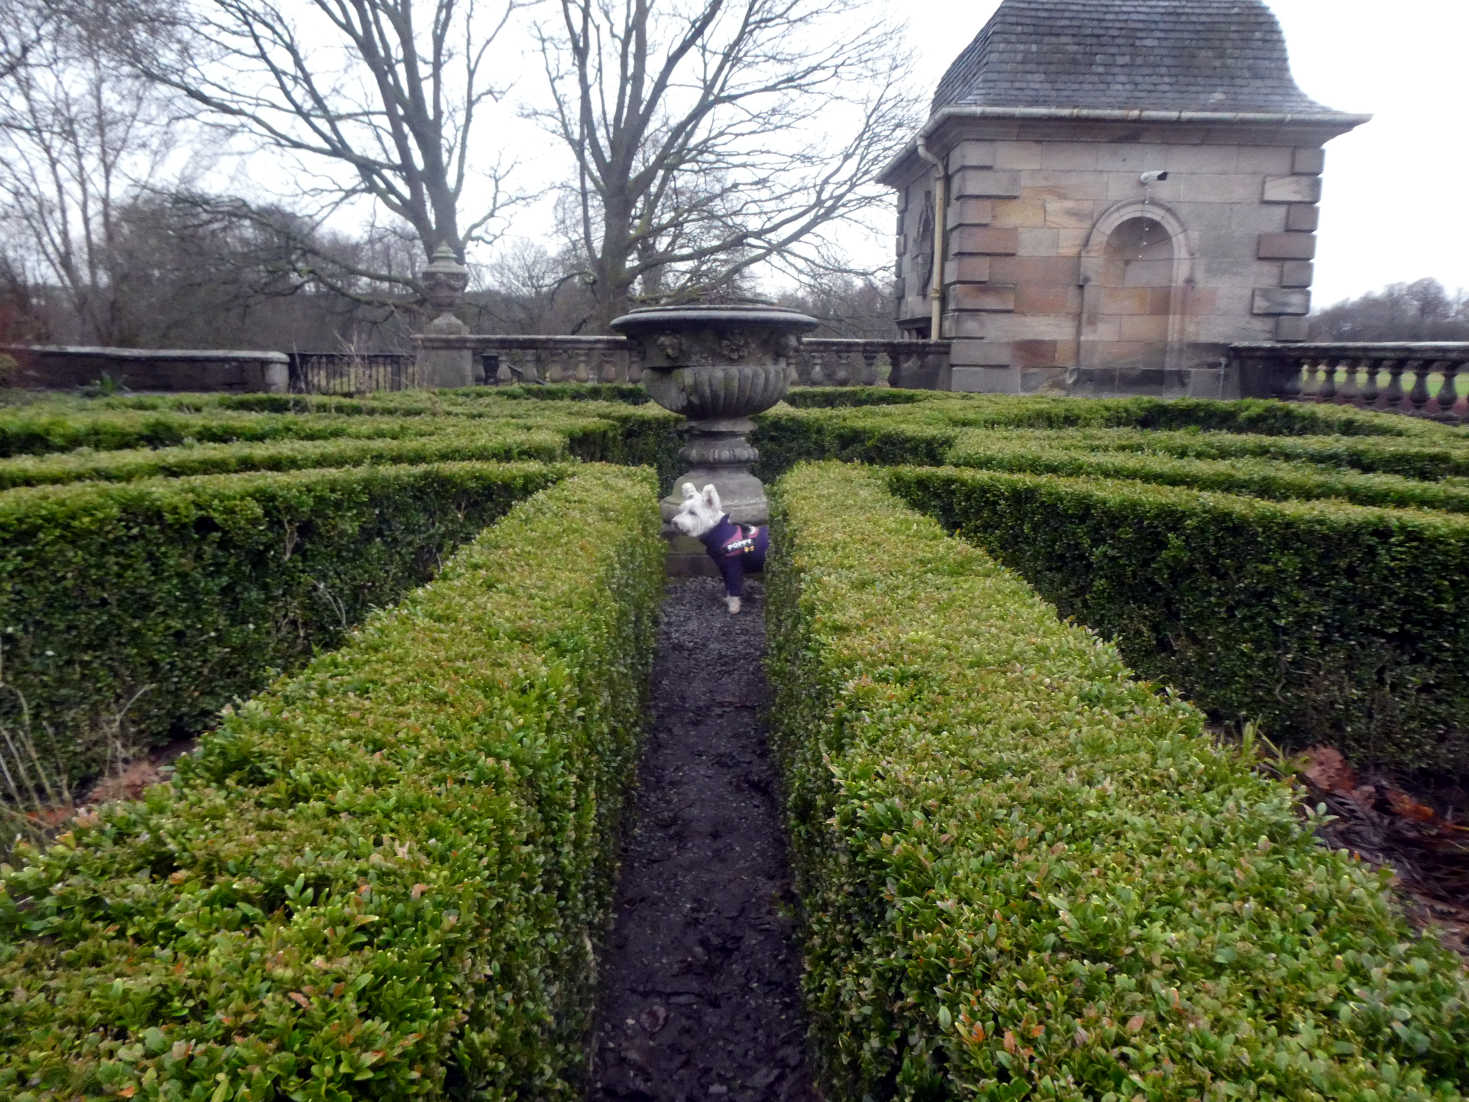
[[444, 364]]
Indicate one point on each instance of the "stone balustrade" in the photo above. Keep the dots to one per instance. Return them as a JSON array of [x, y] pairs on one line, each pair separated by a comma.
[[1412, 377], [520, 358]]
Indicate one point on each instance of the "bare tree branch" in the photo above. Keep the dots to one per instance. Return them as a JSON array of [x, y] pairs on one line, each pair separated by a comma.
[[714, 138], [390, 91]]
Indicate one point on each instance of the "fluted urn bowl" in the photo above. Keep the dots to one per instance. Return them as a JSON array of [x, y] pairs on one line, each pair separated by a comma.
[[715, 361], [718, 365]]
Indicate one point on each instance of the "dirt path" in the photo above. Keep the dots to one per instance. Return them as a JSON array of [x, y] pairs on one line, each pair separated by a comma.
[[701, 991]]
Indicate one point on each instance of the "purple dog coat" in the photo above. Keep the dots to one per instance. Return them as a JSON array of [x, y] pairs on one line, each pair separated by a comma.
[[737, 549]]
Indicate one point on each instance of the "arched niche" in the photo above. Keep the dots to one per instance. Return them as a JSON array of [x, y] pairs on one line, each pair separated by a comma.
[[1136, 273]]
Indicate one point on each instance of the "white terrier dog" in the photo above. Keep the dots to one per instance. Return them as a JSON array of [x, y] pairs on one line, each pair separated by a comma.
[[737, 549]]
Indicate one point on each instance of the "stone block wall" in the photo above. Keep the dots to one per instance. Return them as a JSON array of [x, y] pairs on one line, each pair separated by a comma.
[[1027, 200], [58, 367]]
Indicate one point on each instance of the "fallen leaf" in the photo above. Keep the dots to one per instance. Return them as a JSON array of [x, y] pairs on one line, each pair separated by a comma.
[[1329, 771], [1410, 808]]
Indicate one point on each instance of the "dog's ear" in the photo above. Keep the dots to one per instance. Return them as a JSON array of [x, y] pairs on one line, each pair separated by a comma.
[[689, 491], [711, 496]]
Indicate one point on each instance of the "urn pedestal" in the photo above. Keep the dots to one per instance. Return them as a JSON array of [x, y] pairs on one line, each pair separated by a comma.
[[718, 365]]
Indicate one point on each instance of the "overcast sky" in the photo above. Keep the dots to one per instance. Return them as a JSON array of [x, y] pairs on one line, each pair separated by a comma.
[[1395, 204]]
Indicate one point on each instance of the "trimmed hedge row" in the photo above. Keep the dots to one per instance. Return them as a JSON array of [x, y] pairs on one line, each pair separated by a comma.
[[923, 432], [381, 878], [1060, 453], [1026, 875], [57, 427], [460, 441], [1258, 416], [172, 597], [1323, 621], [1425, 458]]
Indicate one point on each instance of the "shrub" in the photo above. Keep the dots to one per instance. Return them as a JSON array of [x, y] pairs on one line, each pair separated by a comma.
[[461, 440], [1323, 621], [381, 878], [1025, 874], [1083, 454], [179, 595]]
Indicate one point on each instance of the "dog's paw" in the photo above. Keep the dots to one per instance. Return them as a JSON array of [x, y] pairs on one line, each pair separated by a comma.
[[733, 604]]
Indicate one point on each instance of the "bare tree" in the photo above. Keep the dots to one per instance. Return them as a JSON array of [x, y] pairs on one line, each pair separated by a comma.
[[1423, 310], [78, 137], [380, 98], [714, 136]]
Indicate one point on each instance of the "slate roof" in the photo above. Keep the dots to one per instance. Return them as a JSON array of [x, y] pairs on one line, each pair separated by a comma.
[[1171, 55]]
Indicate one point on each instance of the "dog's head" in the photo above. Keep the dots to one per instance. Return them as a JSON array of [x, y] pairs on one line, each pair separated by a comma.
[[699, 512]]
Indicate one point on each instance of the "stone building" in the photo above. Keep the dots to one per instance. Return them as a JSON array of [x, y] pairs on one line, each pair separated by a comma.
[[1107, 193]]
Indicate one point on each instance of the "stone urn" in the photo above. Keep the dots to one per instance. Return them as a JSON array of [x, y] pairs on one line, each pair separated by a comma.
[[718, 365]]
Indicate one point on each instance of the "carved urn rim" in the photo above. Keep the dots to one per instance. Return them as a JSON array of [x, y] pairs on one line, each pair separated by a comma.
[[732, 315]]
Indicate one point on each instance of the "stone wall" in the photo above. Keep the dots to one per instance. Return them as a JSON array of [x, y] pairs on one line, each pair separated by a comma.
[[1064, 272], [58, 367]]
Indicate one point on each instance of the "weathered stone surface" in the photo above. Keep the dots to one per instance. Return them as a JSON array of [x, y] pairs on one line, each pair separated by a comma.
[[972, 154], [983, 296], [984, 240], [967, 269], [1070, 213], [1291, 189], [1308, 162], [1297, 273], [1279, 300], [971, 212], [985, 183], [1286, 246], [1302, 217], [1017, 154], [1291, 329], [57, 367], [987, 380]]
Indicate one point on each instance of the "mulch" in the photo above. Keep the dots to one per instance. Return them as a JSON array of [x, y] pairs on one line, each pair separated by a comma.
[[701, 990]]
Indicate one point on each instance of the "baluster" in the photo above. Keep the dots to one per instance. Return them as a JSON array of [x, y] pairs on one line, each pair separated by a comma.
[[1288, 381], [1310, 385], [818, 372], [841, 374], [633, 357], [1392, 397], [579, 370], [883, 367], [1455, 408], [1418, 393], [1369, 390], [1326, 389], [868, 375], [606, 365], [1347, 393], [1447, 396]]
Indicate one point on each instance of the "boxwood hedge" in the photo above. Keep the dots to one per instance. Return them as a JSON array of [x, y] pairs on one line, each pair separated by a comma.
[[38, 430], [1025, 874], [380, 879], [461, 440], [1083, 454], [170, 597], [1322, 620]]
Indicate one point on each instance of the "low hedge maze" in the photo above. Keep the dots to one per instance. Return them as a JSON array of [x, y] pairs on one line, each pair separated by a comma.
[[1024, 872]]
